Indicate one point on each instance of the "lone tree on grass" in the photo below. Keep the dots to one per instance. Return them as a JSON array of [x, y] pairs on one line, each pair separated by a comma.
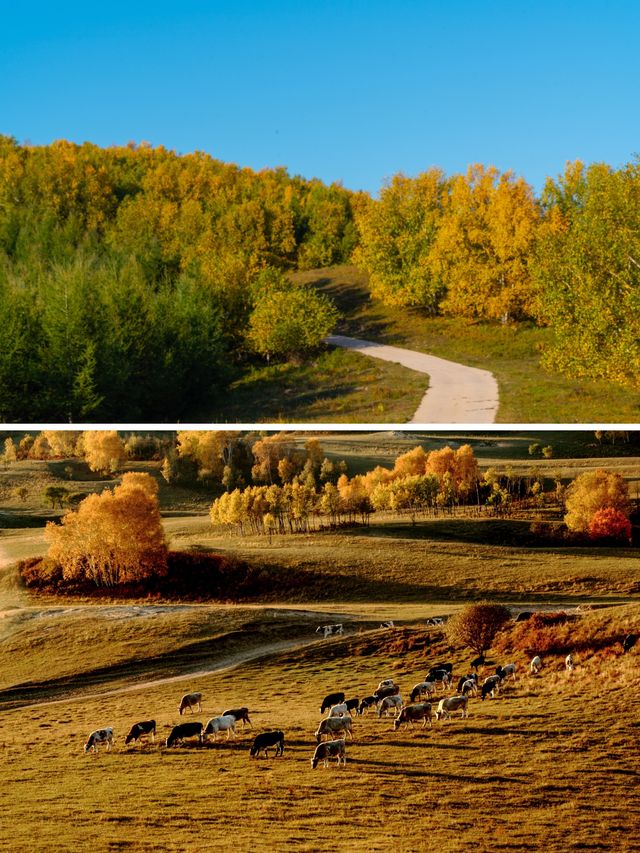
[[477, 625]]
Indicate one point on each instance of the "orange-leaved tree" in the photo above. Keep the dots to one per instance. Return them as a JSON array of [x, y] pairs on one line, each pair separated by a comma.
[[112, 538], [593, 491], [103, 450]]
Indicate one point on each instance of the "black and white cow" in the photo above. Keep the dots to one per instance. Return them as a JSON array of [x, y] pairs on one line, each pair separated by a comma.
[[146, 727], [99, 736], [239, 714]]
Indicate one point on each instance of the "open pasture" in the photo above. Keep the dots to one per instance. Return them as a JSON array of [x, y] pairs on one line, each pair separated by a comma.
[[551, 762]]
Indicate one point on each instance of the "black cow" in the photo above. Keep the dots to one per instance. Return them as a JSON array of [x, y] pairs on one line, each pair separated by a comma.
[[629, 642], [265, 740], [331, 700], [178, 733]]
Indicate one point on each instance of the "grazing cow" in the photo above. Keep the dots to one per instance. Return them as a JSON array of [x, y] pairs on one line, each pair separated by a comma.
[[339, 710], [190, 700], [439, 677], [435, 620], [221, 724], [383, 692], [453, 703], [147, 727], [437, 667], [331, 699], [324, 751], [264, 741], [629, 642], [388, 624], [99, 736], [490, 685], [239, 714], [476, 662], [330, 630], [367, 703], [536, 665], [389, 702], [388, 682], [333, 726], [352, 704], [472, 676], [412, 713], [470, 685], [184, 730], [424, 687], [509, 669]]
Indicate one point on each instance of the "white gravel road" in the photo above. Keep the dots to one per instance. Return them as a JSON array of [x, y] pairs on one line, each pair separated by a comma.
[[457, 394]]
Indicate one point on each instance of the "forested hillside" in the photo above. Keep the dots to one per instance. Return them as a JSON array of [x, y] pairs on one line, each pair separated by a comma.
[[136, 282], [128, 275]]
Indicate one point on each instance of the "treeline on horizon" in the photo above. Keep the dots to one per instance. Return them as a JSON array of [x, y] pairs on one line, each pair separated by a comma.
[[133, 280]]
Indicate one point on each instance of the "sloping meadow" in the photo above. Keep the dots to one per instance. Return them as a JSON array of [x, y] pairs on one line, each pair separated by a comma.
[[550, 762]]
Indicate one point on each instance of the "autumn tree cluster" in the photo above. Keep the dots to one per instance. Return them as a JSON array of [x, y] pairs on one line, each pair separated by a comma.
[[113, 538], [419, 482], [597, 503], [481, 245], [126, 273]]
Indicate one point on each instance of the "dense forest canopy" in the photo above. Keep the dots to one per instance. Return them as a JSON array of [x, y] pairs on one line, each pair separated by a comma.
[[133, 279]]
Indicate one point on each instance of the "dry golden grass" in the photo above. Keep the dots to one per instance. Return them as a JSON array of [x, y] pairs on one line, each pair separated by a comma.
[[551, 763]]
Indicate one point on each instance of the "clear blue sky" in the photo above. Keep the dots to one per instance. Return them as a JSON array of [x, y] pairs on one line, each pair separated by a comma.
[[344, 91]]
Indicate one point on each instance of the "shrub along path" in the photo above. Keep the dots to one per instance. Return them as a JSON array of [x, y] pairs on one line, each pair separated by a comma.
[[456, 394]]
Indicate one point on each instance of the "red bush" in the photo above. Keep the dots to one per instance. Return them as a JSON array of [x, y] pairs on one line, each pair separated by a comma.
[[609, 523]]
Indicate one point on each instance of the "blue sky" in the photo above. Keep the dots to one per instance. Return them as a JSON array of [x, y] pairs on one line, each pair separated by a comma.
[[344, 91]]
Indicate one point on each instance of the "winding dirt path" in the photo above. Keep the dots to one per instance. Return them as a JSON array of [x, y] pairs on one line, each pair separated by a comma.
[[457, 394]]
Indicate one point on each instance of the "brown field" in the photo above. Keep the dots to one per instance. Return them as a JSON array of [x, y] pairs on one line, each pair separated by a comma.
[[550, 763]]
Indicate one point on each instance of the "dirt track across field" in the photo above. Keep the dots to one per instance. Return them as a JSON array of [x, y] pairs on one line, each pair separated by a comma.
[[457, 394]]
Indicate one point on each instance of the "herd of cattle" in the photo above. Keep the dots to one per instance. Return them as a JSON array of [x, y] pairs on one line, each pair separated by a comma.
[[338, 724]]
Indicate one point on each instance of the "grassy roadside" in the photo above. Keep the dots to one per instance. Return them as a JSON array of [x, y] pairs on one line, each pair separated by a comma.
[[512, 353], [334, 387]]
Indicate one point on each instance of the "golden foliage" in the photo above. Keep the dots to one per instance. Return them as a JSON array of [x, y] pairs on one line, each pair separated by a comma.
[[103, 450], [591, 492]]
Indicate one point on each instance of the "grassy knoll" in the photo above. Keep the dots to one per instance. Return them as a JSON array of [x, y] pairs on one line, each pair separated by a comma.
[[334, 387], [512, 353], [548, 764]]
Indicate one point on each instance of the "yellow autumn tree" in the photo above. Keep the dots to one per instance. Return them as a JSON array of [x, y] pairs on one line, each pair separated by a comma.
[[591, 492], [112, 538], [103, 450], [484, 244]]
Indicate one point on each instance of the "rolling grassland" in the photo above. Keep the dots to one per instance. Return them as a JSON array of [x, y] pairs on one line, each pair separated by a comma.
[[550, 763]]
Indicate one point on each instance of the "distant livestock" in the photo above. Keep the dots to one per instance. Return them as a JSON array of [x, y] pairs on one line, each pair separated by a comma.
[[263, 742], [331, 699], [469, 685], [367, 702], [388, 690], [388, 624], [387, 682], [241, 714], [190, 700], [184, 730], [454, 703], [422, 688], [352, 704], [339, 710], [524, 615], [477, 662], [472, 676], [147, 727], [413, 713], [506, 671], [330, 630], [435, 620], [629, 642], [327, 750], [333, 726], [437, 667], [99, 736], [536, 665], [224, 723], [390, 702], [439, 677], [490, 686], [568, 663]]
